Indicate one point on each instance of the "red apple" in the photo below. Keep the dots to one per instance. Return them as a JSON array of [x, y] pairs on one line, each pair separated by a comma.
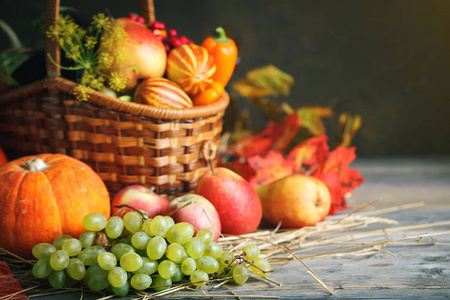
[[141, 55], [296, 201], [234, 198], [196, 210], [140, 197]]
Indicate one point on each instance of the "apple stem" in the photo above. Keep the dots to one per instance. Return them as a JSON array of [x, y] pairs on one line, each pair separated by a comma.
[[209, 152], [211, 166]]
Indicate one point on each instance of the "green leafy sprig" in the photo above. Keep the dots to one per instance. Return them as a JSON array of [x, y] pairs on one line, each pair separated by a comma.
[[91, 51]]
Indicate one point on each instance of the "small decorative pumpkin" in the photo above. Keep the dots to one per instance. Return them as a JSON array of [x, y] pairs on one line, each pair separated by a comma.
[[191, 67], [3, 158], [161, 92], [45, 196]]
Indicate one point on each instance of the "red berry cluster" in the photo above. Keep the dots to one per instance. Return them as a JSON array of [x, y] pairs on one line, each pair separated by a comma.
[[136, 18], [169, 37]]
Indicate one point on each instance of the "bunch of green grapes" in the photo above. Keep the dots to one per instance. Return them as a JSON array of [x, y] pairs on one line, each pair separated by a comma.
[[138, 252]]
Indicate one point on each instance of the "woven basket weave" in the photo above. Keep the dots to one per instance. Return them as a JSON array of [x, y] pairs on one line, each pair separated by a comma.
[[125, 143]]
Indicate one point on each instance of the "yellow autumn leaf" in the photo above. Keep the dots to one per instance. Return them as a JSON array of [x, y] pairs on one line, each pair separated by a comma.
[[348, 125], [312, 118], [247, 90], [270, 77]]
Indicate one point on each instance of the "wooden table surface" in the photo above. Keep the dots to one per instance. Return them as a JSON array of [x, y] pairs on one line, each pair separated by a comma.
[[414, 268]]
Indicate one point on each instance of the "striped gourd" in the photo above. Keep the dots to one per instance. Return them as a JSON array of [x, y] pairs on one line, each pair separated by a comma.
[[191, 67], [161, 92]]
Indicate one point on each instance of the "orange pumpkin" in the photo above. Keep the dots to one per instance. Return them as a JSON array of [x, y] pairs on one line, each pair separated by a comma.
[[3, 158], [191, 67], [45, 196]]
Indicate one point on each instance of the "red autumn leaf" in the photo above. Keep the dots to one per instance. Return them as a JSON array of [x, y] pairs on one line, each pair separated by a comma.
[[311, 154], [286, 132], [276, 137], [240, 167], [333, 183], [269, 168], [339, 158], [337, 166]]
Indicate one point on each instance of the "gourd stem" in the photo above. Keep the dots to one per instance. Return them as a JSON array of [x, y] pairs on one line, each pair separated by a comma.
[[35, 164]]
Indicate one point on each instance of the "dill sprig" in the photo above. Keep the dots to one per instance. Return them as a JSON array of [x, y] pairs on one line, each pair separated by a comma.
[[90, 49]]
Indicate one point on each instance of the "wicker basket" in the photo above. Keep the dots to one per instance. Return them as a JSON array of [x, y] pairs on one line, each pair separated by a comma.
[[125, 143]]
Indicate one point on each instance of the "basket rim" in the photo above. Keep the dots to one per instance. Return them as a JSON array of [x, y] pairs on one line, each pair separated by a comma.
[[99, 98]]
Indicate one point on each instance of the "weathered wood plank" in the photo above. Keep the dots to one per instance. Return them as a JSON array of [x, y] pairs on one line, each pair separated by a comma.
[[396, 181], [422, 269]]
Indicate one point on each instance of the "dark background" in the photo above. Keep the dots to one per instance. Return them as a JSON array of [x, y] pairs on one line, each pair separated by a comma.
[[387, 60]]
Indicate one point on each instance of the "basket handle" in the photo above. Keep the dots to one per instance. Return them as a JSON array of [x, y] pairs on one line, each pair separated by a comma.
[[146, 7]]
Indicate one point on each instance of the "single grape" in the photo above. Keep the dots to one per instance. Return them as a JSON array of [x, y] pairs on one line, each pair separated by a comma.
[[175, 252], [125, 240], [57, 279], [106, 260], [132, 221], [240, 273], [60, 240], [158, 226], [121, 291], [207, 264], [206, 235], [69, 280], [94, 221], [169, 221], [156, 247], [89, 255], [188, 266], [59, 260], [117, 277], [98, 280], [72, 246], [178, 275], [149, 266], [131, 261], [43, 250], [166, 269], [87, 238], [140, 239], [199, 278], [42, 268], [251, 251], [141, 281], [160, 284], [121, 248], [89, 270], [213, 249], [76, 269], [227, 257], [114, 227], [180, 233], [262, 268], [146, 226], [195, 247]]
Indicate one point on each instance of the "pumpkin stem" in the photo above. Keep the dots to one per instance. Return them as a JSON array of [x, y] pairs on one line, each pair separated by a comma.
[[35, 164]]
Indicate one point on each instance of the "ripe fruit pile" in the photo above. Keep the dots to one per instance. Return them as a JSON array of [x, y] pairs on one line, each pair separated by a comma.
[[189, 74], [138, 252]]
